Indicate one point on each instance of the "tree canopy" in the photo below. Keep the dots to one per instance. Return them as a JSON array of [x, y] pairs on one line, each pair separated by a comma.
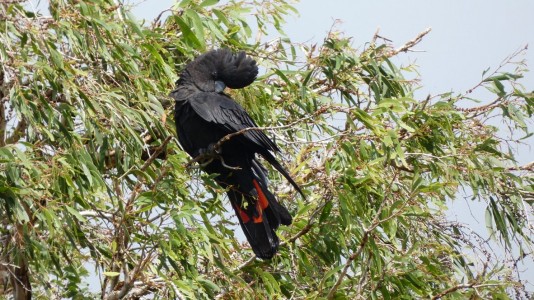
[[98, 200]]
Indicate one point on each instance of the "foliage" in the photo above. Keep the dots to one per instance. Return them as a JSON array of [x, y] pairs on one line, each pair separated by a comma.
[[94, 187]]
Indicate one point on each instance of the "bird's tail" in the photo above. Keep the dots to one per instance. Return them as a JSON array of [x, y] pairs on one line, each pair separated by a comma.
[[259, 214]]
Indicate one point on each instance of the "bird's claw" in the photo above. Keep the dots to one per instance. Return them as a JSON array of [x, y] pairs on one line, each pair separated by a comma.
[[227, 166], [208, 154], [210, 151]]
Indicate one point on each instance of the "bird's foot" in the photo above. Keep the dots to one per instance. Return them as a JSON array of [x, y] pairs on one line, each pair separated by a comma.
[[207, 155], [211, 150], [227, 166]]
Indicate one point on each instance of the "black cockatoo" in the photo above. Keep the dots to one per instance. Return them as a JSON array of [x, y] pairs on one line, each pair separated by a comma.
[[204, 114]]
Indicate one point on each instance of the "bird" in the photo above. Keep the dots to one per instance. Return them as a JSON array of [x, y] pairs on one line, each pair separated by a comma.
[[204, 114]]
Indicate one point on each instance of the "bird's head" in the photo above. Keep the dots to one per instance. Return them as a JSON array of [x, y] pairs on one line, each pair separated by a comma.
[[215, 70]]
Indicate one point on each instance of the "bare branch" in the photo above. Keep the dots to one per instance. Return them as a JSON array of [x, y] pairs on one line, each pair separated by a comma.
[[526, 167], [461, 287], [3, 123], [411, 43]]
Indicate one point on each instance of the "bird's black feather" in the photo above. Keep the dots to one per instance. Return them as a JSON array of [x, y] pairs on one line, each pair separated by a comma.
[[204, 115]]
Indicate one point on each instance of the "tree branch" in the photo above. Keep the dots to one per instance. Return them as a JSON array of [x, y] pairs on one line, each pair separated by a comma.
[[3, 124], [411, 43], [526, 167], [461, 287]]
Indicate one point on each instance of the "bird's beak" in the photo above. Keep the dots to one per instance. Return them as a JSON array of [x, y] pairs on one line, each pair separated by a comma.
[[219, 86]]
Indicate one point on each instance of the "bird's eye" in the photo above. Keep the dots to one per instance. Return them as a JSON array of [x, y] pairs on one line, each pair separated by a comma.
[[214, 74]]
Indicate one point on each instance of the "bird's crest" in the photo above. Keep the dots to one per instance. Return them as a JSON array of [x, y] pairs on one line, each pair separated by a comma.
[[234, 70]]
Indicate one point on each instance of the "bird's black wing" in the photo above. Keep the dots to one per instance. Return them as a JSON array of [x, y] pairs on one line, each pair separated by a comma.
[[231, 117]]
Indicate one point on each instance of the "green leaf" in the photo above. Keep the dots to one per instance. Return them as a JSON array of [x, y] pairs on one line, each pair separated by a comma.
[[76, 214], [326, 211], [365, 118], [208, 3], [503, 77], [198, 26], [209, 285], [56, 57], [500, 88], [187, 33], [111, 274]]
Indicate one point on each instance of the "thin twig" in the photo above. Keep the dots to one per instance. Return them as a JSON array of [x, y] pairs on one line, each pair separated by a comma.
[[452, 290], [526, 167], [411, 43]]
